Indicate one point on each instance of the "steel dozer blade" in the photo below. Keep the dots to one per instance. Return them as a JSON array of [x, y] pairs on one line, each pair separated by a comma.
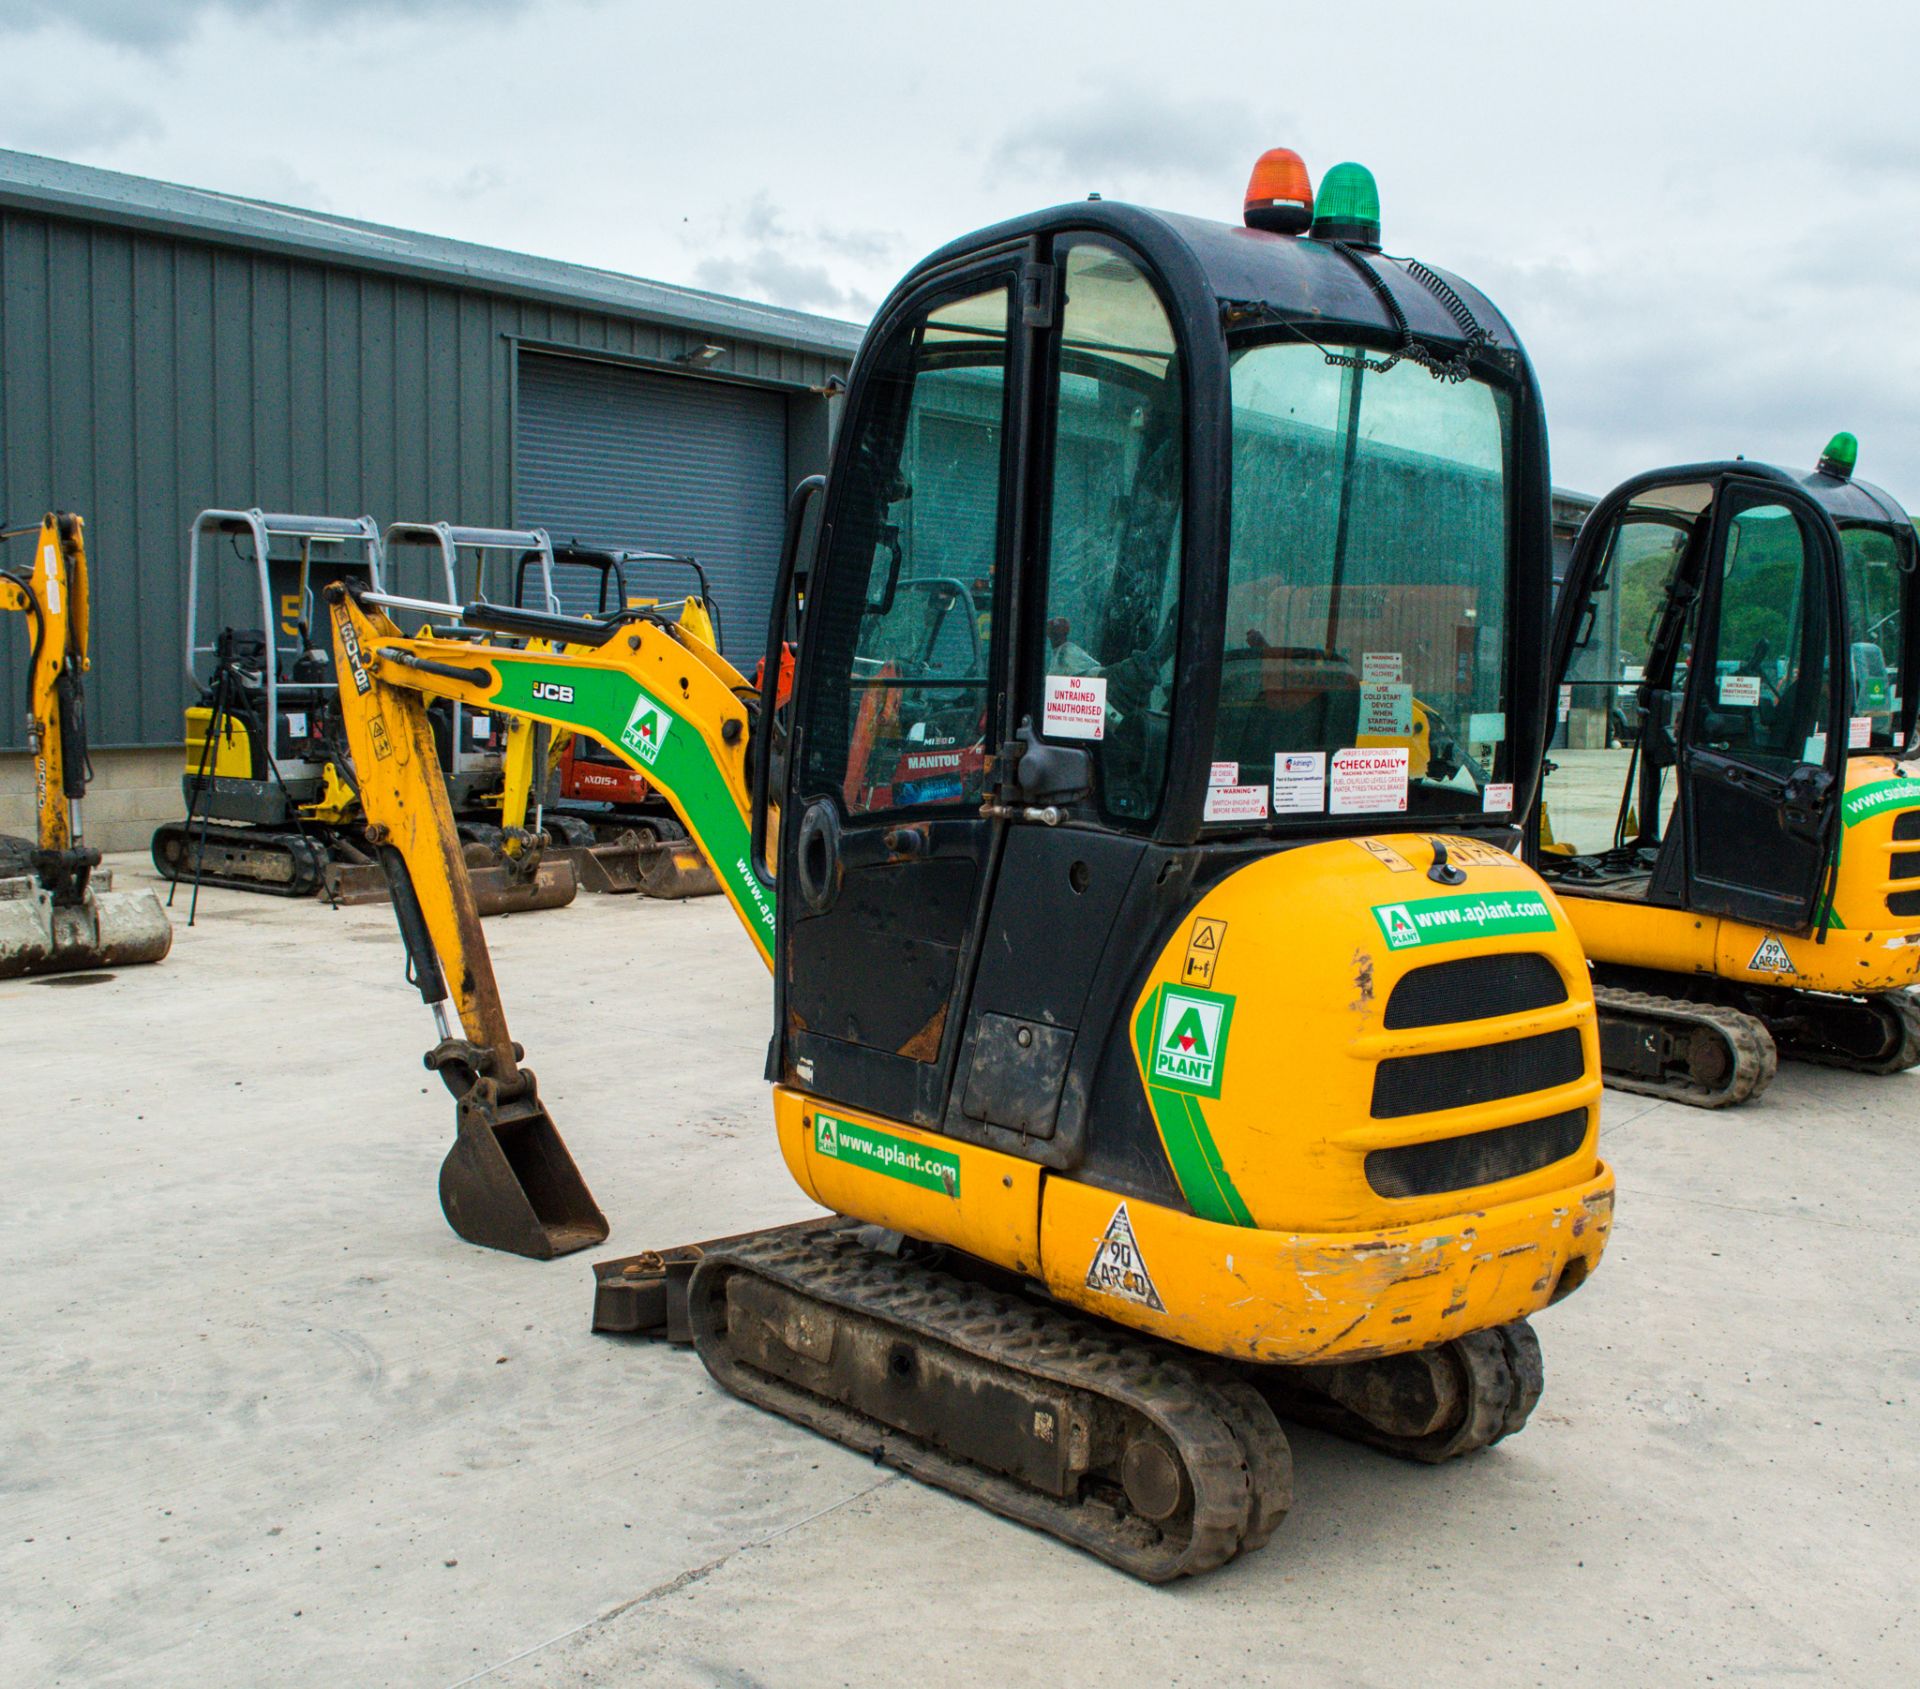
[[111, 929], [509, 1181], [497, 888], [502, 890]]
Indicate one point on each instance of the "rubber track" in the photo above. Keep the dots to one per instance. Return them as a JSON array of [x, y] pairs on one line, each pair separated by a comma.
[[1231, 1446], [1899, 1006], [1755, 1059], [308, 855]]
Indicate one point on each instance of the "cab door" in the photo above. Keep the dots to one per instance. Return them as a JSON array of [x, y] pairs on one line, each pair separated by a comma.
[[886, 860], [1764, 734]]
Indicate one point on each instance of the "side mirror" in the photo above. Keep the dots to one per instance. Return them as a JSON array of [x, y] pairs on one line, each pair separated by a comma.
[[760, 764]]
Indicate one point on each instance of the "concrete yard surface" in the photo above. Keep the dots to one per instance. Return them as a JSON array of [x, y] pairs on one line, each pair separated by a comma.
[[264, 1420]]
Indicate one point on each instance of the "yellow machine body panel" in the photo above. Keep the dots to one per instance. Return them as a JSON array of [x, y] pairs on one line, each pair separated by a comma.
[[1265, 1096], [232, 757], [1865, 947]]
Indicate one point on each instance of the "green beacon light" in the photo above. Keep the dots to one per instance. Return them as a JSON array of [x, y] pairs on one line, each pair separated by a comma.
[[1348, 206], [1842, 453]]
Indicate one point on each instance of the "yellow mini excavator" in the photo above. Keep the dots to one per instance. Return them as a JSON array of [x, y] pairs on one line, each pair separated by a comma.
[[58, 912], [267, 782], [1744, 872], [1185, 1055]]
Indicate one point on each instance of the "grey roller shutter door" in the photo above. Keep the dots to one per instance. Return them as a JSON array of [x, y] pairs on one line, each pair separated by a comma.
[[623, 457]]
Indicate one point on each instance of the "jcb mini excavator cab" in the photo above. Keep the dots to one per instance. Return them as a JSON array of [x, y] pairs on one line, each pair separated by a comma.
[[1209, 1049], [58, 911], [598, 811], [1740, 875]]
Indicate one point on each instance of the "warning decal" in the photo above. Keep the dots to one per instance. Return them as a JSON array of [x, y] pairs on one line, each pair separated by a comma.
[[1118, 1267], [1771, 958], [1203, 950], [1075, 707]]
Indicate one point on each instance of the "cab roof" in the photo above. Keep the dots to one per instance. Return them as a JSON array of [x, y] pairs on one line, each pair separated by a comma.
[[1280, 278]]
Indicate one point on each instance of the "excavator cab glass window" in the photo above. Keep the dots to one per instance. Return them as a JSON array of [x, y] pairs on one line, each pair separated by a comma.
[[1874, 564], [1364, 666], [1113, 564], [1768, 699], [898, 716]]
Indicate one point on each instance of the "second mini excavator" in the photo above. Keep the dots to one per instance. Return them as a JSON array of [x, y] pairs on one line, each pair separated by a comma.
[[1186, 1055], [58, 911], [268, 783], [1745, 876]]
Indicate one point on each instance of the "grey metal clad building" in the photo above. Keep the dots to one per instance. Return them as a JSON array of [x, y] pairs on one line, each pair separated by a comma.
[[164, 349]]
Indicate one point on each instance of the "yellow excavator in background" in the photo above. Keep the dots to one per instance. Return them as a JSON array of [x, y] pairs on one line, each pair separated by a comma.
[[58, 912], [1745, 874], [1166, 1054], [268, 786]]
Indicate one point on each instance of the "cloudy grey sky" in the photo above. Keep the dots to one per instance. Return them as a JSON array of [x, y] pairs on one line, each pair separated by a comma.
[[1699, 216]]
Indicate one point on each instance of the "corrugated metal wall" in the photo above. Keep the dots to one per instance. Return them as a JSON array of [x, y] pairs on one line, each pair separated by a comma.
[[627, 457], [146, 377]]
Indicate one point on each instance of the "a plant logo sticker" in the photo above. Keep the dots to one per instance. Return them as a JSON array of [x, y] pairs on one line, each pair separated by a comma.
[[1190, 1039], [646, 730], [1397, 923], [1119, 1268], [826, 1139]]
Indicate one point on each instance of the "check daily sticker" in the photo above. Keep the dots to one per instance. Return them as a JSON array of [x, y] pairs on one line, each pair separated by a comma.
[[1299, 782], [1367, 781], [1075, 708], [1236, 803], [887, 1153], [1190, 1040], [1448, 920]]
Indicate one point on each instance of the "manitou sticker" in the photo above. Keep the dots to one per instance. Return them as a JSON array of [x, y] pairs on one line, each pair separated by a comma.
[[1190, 1040], [1771, 958], [1119, 1269], [1447, 920], [886, 1152], [646, 730]]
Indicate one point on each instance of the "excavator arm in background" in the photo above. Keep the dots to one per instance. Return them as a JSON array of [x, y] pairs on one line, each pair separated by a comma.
[[669, 704], [57, 913]]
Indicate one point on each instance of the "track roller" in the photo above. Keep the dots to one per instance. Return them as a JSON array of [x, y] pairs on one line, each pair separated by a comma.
[[1160, 1463]]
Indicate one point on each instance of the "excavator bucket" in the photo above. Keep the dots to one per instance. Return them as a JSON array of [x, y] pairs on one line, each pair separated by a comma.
[[109, 929], [509, 1182]]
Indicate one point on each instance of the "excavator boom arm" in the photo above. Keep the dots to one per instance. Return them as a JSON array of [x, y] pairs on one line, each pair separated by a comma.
[[52, 594]]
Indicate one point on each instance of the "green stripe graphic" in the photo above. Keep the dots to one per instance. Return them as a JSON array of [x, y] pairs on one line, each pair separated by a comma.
[[1202, 1177]]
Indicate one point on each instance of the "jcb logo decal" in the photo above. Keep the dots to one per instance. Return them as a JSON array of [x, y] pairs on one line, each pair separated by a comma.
[[552, 692]]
